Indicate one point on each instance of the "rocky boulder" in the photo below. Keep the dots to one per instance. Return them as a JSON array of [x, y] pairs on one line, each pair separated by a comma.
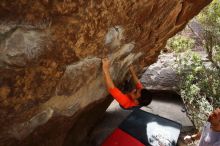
[[162, 75], [51, 83]]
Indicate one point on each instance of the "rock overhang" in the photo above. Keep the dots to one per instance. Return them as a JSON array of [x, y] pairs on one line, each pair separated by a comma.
[[50, 60]]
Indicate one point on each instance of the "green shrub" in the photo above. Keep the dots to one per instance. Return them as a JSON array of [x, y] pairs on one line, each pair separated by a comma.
[[209, 19], [199, 81], [199, 86], [180, 43]]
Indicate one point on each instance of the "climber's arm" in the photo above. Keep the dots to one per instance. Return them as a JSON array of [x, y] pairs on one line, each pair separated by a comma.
[[107, 77], [135, 78], [122, 99]]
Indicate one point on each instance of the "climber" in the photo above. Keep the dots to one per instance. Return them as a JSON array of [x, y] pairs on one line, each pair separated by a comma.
[[136, 98], [210, 136]]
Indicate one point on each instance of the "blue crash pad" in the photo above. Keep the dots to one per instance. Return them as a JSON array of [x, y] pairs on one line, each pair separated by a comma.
[[151, 129]]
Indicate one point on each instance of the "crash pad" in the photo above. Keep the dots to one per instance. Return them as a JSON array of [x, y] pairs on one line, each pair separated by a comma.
[[151, 129], [121, 138]]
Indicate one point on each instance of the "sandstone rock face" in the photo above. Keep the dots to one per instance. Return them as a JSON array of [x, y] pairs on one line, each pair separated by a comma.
[[51, 83]]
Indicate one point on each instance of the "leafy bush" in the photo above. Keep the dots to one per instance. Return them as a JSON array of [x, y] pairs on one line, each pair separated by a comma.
[[199, 80], [209, 18], [180, 43], [199, 86]]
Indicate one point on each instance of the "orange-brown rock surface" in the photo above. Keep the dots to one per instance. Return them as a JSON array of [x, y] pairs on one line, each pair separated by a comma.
[[51, 84]]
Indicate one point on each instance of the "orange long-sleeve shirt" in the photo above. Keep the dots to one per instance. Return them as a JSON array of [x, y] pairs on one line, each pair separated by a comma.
[[124, 100]]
